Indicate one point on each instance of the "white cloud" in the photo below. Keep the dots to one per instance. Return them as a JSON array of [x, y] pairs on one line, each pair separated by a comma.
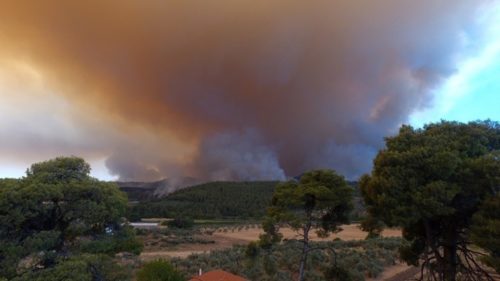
[[469, 70]]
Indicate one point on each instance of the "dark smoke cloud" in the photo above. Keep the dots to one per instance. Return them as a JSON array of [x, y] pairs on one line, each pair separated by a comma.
[[253, 89], [240, 156]]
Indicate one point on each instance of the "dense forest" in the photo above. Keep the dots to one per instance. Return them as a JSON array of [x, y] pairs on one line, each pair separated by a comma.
[[219, 200], [210, 200]]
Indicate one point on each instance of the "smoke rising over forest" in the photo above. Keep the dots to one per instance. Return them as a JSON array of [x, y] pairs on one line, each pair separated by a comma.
[[239, 90]]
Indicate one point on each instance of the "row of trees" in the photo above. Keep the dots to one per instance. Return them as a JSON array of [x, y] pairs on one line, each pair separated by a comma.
[[440, 184]]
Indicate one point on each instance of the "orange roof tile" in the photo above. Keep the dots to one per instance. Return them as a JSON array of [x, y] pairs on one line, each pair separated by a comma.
[[217, 275]]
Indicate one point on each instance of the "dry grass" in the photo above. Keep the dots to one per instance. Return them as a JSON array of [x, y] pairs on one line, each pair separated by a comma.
[[223, 240], [227, 239], [349, 232]]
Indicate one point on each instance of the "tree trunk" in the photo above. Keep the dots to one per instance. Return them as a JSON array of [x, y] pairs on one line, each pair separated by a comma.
[[305, 251], [450, 257]]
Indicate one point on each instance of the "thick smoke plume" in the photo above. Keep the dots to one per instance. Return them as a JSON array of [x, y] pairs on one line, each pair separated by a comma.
[[237, 156], [250, 89]]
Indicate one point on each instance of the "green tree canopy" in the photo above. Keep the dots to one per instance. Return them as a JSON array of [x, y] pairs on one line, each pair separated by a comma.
[[430, 182], [486, 230], [56, 212], [83, 267], [159, 270], [320, 201]]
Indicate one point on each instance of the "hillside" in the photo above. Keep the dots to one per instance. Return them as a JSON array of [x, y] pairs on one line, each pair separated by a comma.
[[210, 200], [144, 191], [218, 200], [138, 191]]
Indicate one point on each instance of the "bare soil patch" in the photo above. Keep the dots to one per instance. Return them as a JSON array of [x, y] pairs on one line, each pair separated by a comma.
[[349, 232], [223, 240]]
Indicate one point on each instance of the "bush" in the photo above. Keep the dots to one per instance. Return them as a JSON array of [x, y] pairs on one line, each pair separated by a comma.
[[354, 260], [122, 241], [159, 270], [252, 250], [181, 223], [85, 267]]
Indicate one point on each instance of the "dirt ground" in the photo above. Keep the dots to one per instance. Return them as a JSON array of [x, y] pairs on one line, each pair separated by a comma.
[[349, 232], [184, 250], [223, 240]]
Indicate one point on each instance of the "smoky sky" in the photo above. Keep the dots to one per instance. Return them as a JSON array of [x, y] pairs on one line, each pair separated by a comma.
[[250, 89]]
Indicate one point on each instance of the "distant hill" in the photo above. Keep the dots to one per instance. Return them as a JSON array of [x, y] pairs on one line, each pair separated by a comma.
[[210, 200], [138, 191], [216, 200], [145, 191]]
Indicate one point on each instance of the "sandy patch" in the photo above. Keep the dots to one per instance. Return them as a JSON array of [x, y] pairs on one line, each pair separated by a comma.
[[349, 232]]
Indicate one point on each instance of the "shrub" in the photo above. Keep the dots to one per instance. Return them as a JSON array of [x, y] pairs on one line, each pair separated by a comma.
[[183, 223], [354, 260], [80, 268], [159, 270], [252, 249]]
